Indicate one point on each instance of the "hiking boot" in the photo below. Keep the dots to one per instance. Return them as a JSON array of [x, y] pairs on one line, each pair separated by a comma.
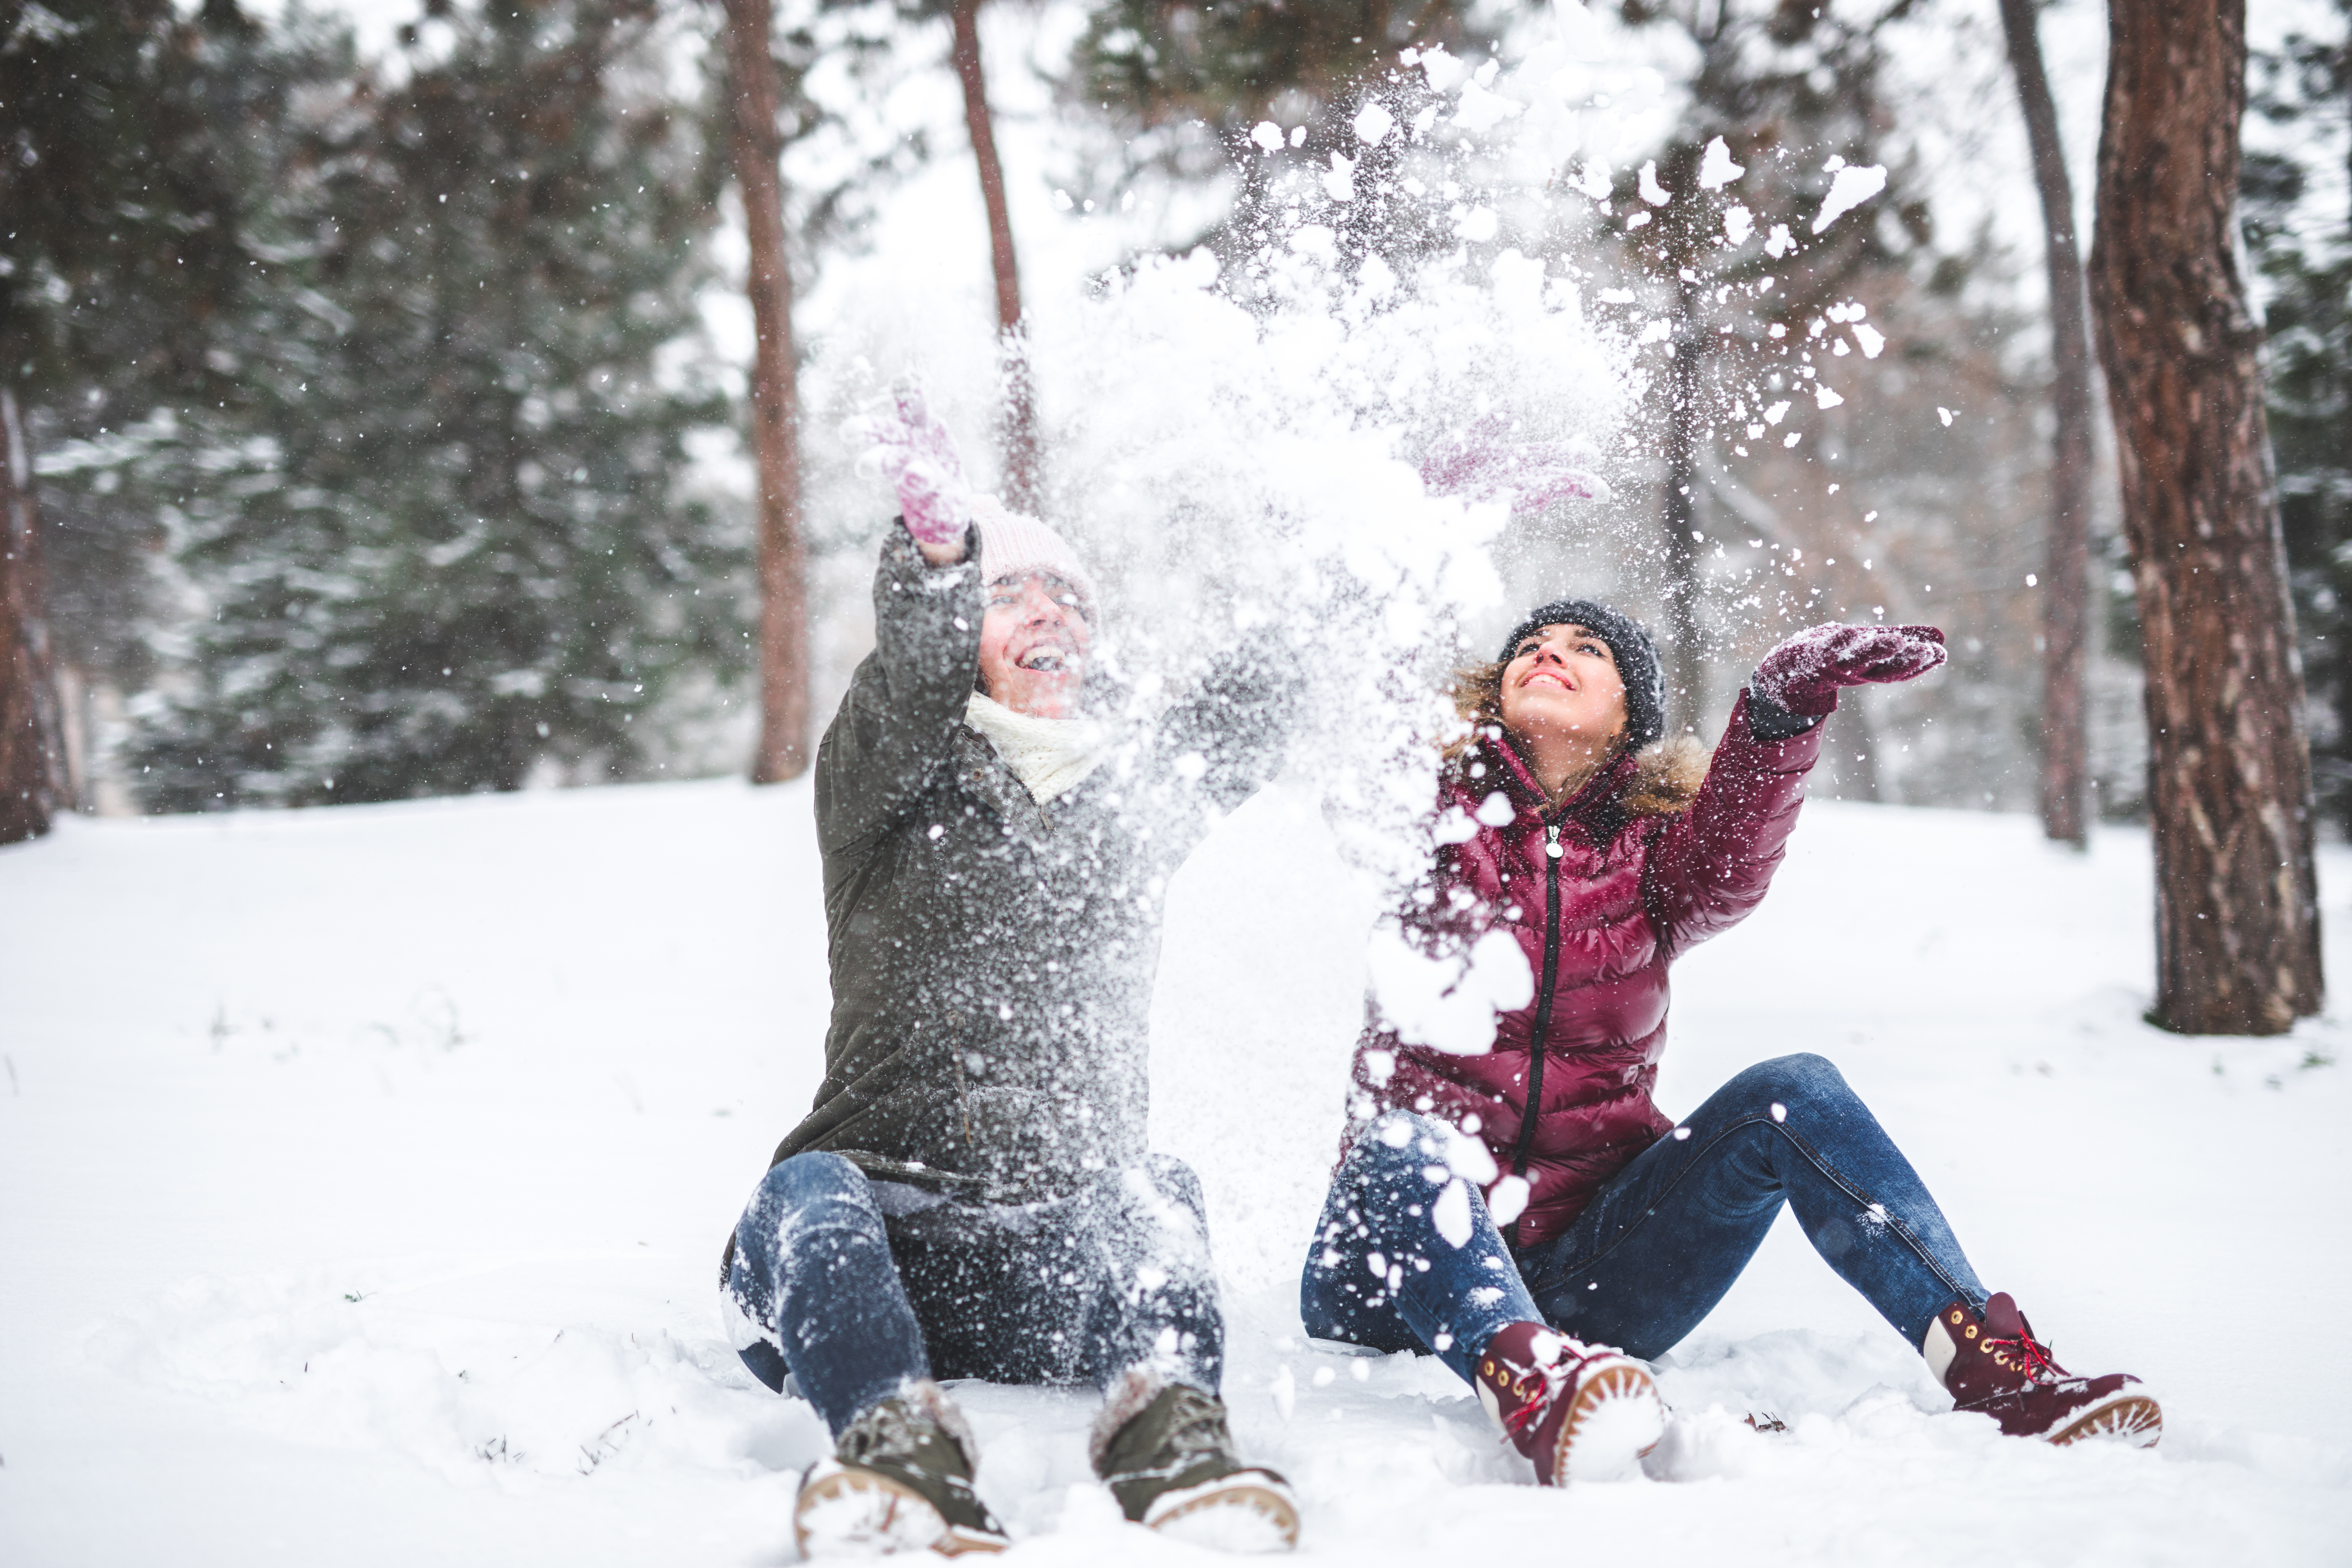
[[900, 1480], [1166, 1453], [1994, 1366], [1579, 1412]]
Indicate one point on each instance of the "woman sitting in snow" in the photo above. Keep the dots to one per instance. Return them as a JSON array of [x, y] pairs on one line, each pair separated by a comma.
[[1607, 1231]]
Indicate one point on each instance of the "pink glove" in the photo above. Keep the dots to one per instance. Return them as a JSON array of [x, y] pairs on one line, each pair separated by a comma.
[[1803, 674], [1483, 463], [909, 444]]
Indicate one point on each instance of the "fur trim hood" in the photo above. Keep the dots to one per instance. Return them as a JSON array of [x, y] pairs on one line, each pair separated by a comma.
[[1660, 780], [1667, 778]]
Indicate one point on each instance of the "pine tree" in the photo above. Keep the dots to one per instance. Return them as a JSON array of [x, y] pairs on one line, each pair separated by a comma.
[[768, 116], [1163, 62], [121, 242], [446, 537], [1793, 93], [2306, 88], [2237, 897], [1186, 82], [755, 137], [2065, 597], [1023, 456]]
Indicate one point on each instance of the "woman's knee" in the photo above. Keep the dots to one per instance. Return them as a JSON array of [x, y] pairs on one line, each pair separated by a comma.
[[1384, 1192], [1785, 1084], [1399, 1141]]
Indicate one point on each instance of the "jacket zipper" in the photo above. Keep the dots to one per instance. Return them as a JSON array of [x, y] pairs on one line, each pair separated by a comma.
[[1542, 1028]]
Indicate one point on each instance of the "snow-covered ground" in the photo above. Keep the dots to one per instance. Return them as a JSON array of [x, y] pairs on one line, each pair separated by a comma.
[[363, 1173]]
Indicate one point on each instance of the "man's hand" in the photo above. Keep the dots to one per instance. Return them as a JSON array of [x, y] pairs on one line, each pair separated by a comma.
[[1803, 674], [908, 443]]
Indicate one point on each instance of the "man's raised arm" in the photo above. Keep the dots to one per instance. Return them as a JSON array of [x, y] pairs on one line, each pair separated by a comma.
[[897, 723], [1233, 726]]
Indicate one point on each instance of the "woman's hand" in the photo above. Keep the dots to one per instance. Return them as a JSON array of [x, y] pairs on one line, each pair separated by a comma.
[[1484, 462], [1803, 674], [908, 443]]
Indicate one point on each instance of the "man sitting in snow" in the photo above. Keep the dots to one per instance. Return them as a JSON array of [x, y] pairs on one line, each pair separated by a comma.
[[970, 1195]]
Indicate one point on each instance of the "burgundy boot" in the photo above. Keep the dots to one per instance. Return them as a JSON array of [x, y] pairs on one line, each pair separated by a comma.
[[1581, 1412], [1994, 1366]]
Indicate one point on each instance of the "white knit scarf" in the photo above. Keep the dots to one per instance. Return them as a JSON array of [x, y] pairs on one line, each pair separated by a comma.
[[1049, 756]]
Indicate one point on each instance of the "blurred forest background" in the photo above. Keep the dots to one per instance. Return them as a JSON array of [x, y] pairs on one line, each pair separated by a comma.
[[376, 378]]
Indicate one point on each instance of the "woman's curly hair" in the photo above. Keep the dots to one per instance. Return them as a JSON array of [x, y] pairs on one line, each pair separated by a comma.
[[1477, 694]]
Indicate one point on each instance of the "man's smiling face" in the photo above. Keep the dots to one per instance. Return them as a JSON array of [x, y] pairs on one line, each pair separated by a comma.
[[1033, 646]]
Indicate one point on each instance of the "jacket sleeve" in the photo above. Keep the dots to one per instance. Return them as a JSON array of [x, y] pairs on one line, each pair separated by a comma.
[[1229, 729], [1708, 868], [897, 725]]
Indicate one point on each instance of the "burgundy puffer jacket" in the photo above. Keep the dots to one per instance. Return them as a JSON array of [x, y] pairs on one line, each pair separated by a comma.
[[1599, 919]]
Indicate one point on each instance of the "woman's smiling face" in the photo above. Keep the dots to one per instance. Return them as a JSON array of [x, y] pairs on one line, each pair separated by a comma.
[[1561, 682]]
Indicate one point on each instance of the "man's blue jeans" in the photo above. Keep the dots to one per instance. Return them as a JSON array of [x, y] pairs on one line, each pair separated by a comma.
[[856, 1287], [1659, 1245]]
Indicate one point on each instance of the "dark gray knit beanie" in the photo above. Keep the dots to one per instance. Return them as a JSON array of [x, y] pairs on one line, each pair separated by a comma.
[[1637, 659]]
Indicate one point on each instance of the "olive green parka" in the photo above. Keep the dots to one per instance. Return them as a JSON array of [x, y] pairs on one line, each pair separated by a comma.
[[992, 958]]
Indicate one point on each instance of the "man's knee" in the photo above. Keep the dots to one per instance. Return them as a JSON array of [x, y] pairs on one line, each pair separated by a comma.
[[812, 1176], [811, 1192], [1156, 1212], [1176, 1182]]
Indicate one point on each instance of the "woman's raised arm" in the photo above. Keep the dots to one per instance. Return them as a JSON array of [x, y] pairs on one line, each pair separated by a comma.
[[1711, 866]]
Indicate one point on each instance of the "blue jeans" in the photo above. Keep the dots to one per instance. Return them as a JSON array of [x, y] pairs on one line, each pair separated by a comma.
[[1659, 1245], [856, 1287]]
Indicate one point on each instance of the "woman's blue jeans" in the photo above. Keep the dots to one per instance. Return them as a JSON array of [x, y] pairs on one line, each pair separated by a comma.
[[857, 1286], [1658, 1246]]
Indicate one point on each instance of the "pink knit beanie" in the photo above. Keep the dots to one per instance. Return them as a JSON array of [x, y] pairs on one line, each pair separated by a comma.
[[1012, 546]]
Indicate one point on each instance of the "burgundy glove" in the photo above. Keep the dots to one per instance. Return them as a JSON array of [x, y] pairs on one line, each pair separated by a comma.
[[908, 443], [1483, 463], [1803, 674]]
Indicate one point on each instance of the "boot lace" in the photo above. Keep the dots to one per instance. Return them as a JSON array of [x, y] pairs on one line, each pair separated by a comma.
[[892, 1431], [1556, 1377], [1531, 1413], [1195, 1429], [2031, 1356]]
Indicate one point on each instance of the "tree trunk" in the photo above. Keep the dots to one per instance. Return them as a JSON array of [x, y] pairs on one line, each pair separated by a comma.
[[2065, 589], [783, 751], [1686, 662], [1021, 452], [76, 738], [30, 783], [2237, 916]]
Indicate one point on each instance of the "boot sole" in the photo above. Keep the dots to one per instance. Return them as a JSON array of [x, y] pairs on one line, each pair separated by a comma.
[[1238, 1514], [1614, 1421], [862, 1514], [2121, 1417]]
